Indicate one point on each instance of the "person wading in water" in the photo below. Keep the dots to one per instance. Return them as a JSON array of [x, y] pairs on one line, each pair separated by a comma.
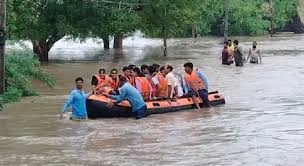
[[238, 54], [254, 54], [77, 100], [130, 93]]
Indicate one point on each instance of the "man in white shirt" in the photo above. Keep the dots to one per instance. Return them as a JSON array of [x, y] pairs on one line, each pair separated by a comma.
[[174, 86]]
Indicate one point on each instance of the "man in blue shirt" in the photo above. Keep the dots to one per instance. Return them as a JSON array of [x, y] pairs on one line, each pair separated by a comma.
[[203, 78], [128, 92], [77, 100]]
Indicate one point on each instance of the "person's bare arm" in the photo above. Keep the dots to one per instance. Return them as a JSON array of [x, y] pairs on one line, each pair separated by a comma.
[[249, 54]]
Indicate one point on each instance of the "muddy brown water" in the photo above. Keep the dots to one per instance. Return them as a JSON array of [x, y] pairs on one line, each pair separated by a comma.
[[260, 124]]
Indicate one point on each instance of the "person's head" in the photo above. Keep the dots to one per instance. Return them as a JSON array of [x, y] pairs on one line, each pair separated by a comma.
[[102, 73], [152, 70], [114, 73], [163, 71], [122, 80], [236, 42], [79, 82], [126, 71], [254, 44], [188, 67], [131, 66], [225, 43], [229, 42], [157, 66], [168, 68], [135, 72], [144, 69]]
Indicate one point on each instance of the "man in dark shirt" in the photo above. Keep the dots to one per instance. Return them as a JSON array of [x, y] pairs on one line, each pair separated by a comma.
[[238, 54], [225, 55]]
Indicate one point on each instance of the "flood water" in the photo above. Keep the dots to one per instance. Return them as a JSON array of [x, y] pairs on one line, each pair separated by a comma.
[[260, 124]]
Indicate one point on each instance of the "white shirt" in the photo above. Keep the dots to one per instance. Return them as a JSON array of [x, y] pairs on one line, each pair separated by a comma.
[[174, 82], [155, 80], [179, 85]]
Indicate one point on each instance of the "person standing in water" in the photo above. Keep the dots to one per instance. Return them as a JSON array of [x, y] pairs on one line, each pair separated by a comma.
[[238, 54], [230, 49], [77, 100], [225, 55], [254, 54]]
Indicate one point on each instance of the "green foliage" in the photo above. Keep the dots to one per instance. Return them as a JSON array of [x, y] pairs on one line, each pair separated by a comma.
[[246, 17], [50, 20], [114, 18], [35, 19], [176, 16], [20, 69]]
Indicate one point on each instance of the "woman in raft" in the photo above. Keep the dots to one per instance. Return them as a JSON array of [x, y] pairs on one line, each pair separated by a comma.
[[155, 87], [141, 83]]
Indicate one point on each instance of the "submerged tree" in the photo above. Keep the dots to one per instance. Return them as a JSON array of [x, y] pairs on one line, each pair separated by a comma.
[[117, 19], [41, 21], [168, 18]]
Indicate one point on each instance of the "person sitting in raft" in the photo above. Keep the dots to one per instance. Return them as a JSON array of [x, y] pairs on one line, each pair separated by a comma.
[[77, 100], [157, 66], [114, 81], [254, 54], [127, 73], [99, 80], [141, 83], [132, 67], [128, 92], [174, 86], [158, 82], [144, 69], [162, 82], [197, 84], [182, 82]]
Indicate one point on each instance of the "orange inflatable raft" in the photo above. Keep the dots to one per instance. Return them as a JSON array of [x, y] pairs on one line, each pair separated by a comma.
[[97, 106]]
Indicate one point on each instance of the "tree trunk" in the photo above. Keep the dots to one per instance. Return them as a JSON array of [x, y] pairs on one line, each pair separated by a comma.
[[226, 20], [165, 41], [270, 20], [42, 47], [301, 10], [194, 32], [118, 41], [41, 50], [2, 46], [106, 43]]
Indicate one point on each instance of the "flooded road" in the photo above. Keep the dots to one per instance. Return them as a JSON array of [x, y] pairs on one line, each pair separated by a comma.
[[261, 123]]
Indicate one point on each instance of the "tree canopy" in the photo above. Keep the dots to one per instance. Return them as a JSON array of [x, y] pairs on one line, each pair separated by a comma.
[[47, 21]]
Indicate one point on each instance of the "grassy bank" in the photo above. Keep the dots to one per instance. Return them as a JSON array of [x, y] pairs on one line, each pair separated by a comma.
[[20, 68]]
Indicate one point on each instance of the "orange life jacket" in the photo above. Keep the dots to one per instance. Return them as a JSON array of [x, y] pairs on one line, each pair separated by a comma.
[[144, 87], [105, 81], [114, 83], [194, 81], [163, 85]]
